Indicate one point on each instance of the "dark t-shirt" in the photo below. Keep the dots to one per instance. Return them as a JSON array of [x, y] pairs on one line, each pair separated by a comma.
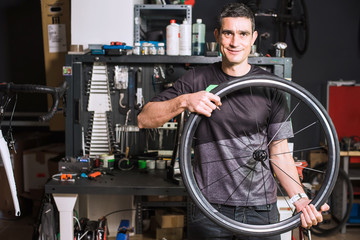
[[249, 118]]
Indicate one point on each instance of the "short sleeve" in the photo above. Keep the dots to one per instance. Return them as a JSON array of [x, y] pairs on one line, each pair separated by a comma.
[[280, 126]]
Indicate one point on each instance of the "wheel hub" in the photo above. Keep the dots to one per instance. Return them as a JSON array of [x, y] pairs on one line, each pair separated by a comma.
[[260, 155]]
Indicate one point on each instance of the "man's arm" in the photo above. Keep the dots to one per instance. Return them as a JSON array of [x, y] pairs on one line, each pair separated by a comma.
[[155, 114], [285, 170]]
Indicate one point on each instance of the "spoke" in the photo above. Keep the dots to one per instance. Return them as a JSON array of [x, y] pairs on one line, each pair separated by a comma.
[[282, 193], [235, 116], [237, 148], [248, 195], [310, 169], [283, 123], [265, 137], [231, 134], [286, 174], [300, 150], [311, 124], [251, 171], [245, 165], [256, 120], [227, 159], [299, 131], [262, 172]]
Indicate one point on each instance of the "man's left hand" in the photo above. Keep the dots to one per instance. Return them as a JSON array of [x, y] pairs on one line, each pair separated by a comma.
[[310, 216]]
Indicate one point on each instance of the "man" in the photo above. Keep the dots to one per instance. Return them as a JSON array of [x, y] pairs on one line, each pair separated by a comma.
[[235, 35]]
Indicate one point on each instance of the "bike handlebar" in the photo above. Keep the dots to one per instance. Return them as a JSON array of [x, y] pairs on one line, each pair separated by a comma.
[[55, 92]]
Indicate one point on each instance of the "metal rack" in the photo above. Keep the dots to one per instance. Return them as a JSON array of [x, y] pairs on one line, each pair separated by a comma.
[[151, 16], [80, 65]]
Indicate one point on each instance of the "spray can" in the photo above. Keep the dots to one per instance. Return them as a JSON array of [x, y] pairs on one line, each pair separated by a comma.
[[198, 37], [185, 39], [172, 38]]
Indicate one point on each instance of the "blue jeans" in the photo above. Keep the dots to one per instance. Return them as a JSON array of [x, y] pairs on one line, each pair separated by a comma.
[[200, 227]]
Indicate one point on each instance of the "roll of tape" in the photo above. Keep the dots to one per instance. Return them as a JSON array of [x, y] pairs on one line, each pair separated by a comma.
[[150, 164], [160, 164]]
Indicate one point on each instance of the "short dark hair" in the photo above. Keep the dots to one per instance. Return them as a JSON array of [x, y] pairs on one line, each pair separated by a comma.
[[236, 10]]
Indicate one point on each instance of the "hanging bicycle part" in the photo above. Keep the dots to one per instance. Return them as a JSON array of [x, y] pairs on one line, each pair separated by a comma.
[[236, 158], [9, 89], [292, 16], [122, 137]]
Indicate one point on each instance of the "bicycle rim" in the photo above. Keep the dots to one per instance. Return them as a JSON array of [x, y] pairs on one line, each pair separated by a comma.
[[322, 120]]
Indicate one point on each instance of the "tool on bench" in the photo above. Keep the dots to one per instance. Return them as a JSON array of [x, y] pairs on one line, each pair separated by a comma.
[[65, 177], [94, 175]]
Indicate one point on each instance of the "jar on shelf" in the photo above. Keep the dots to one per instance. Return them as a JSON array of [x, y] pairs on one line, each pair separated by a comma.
[[137, 49], [144, 49], [161, 49], [152, 49]]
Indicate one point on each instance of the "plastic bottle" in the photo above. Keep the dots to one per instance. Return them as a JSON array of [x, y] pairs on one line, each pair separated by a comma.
[[198, 37], [172, 38], [185, 39]]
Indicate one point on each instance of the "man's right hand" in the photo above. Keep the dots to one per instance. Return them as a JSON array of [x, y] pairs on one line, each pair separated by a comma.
[[203, 102]]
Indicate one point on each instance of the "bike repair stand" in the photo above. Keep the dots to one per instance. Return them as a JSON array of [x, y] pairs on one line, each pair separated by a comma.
[[173, 171]]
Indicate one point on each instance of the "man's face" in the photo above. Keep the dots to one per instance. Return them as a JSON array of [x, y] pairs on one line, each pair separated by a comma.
[[235, 39]]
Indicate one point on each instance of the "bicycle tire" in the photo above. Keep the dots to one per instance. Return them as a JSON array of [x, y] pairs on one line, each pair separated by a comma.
[[303, 27], [186, 156]]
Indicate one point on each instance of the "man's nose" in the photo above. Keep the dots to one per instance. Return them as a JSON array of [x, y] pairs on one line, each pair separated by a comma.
[[235, 41]]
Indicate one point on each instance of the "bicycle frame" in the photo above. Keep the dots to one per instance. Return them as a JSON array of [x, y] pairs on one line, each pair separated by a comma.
[[5, 156], [56, 93]]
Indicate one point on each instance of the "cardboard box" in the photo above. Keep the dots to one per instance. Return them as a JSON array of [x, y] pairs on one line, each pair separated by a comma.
[[169, 220], [55, 16], [316, 157], [35, 162], [169, 233]]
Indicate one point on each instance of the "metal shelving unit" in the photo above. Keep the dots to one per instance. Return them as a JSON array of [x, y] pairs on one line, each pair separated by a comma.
[[149, 17]]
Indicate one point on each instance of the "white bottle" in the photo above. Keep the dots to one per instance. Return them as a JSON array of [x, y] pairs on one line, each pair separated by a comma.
[[172, 38], [185, 39]]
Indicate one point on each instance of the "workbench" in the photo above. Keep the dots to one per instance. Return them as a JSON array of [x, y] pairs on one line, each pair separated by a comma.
[[133, 182]]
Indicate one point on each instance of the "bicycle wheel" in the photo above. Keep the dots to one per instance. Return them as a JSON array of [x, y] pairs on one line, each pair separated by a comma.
[[299, 26], [302, 104]]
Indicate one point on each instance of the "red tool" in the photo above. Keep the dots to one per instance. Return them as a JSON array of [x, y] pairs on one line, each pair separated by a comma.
[[66, 177], [94, 175]]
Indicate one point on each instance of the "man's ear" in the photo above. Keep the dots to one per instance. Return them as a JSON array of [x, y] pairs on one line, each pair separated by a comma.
[[216, 35], [255, 35]]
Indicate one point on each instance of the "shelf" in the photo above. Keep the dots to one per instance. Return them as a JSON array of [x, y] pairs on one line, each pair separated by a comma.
[[144, 59]]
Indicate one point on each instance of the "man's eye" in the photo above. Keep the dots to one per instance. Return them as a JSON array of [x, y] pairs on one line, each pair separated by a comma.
[[227, 34]]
